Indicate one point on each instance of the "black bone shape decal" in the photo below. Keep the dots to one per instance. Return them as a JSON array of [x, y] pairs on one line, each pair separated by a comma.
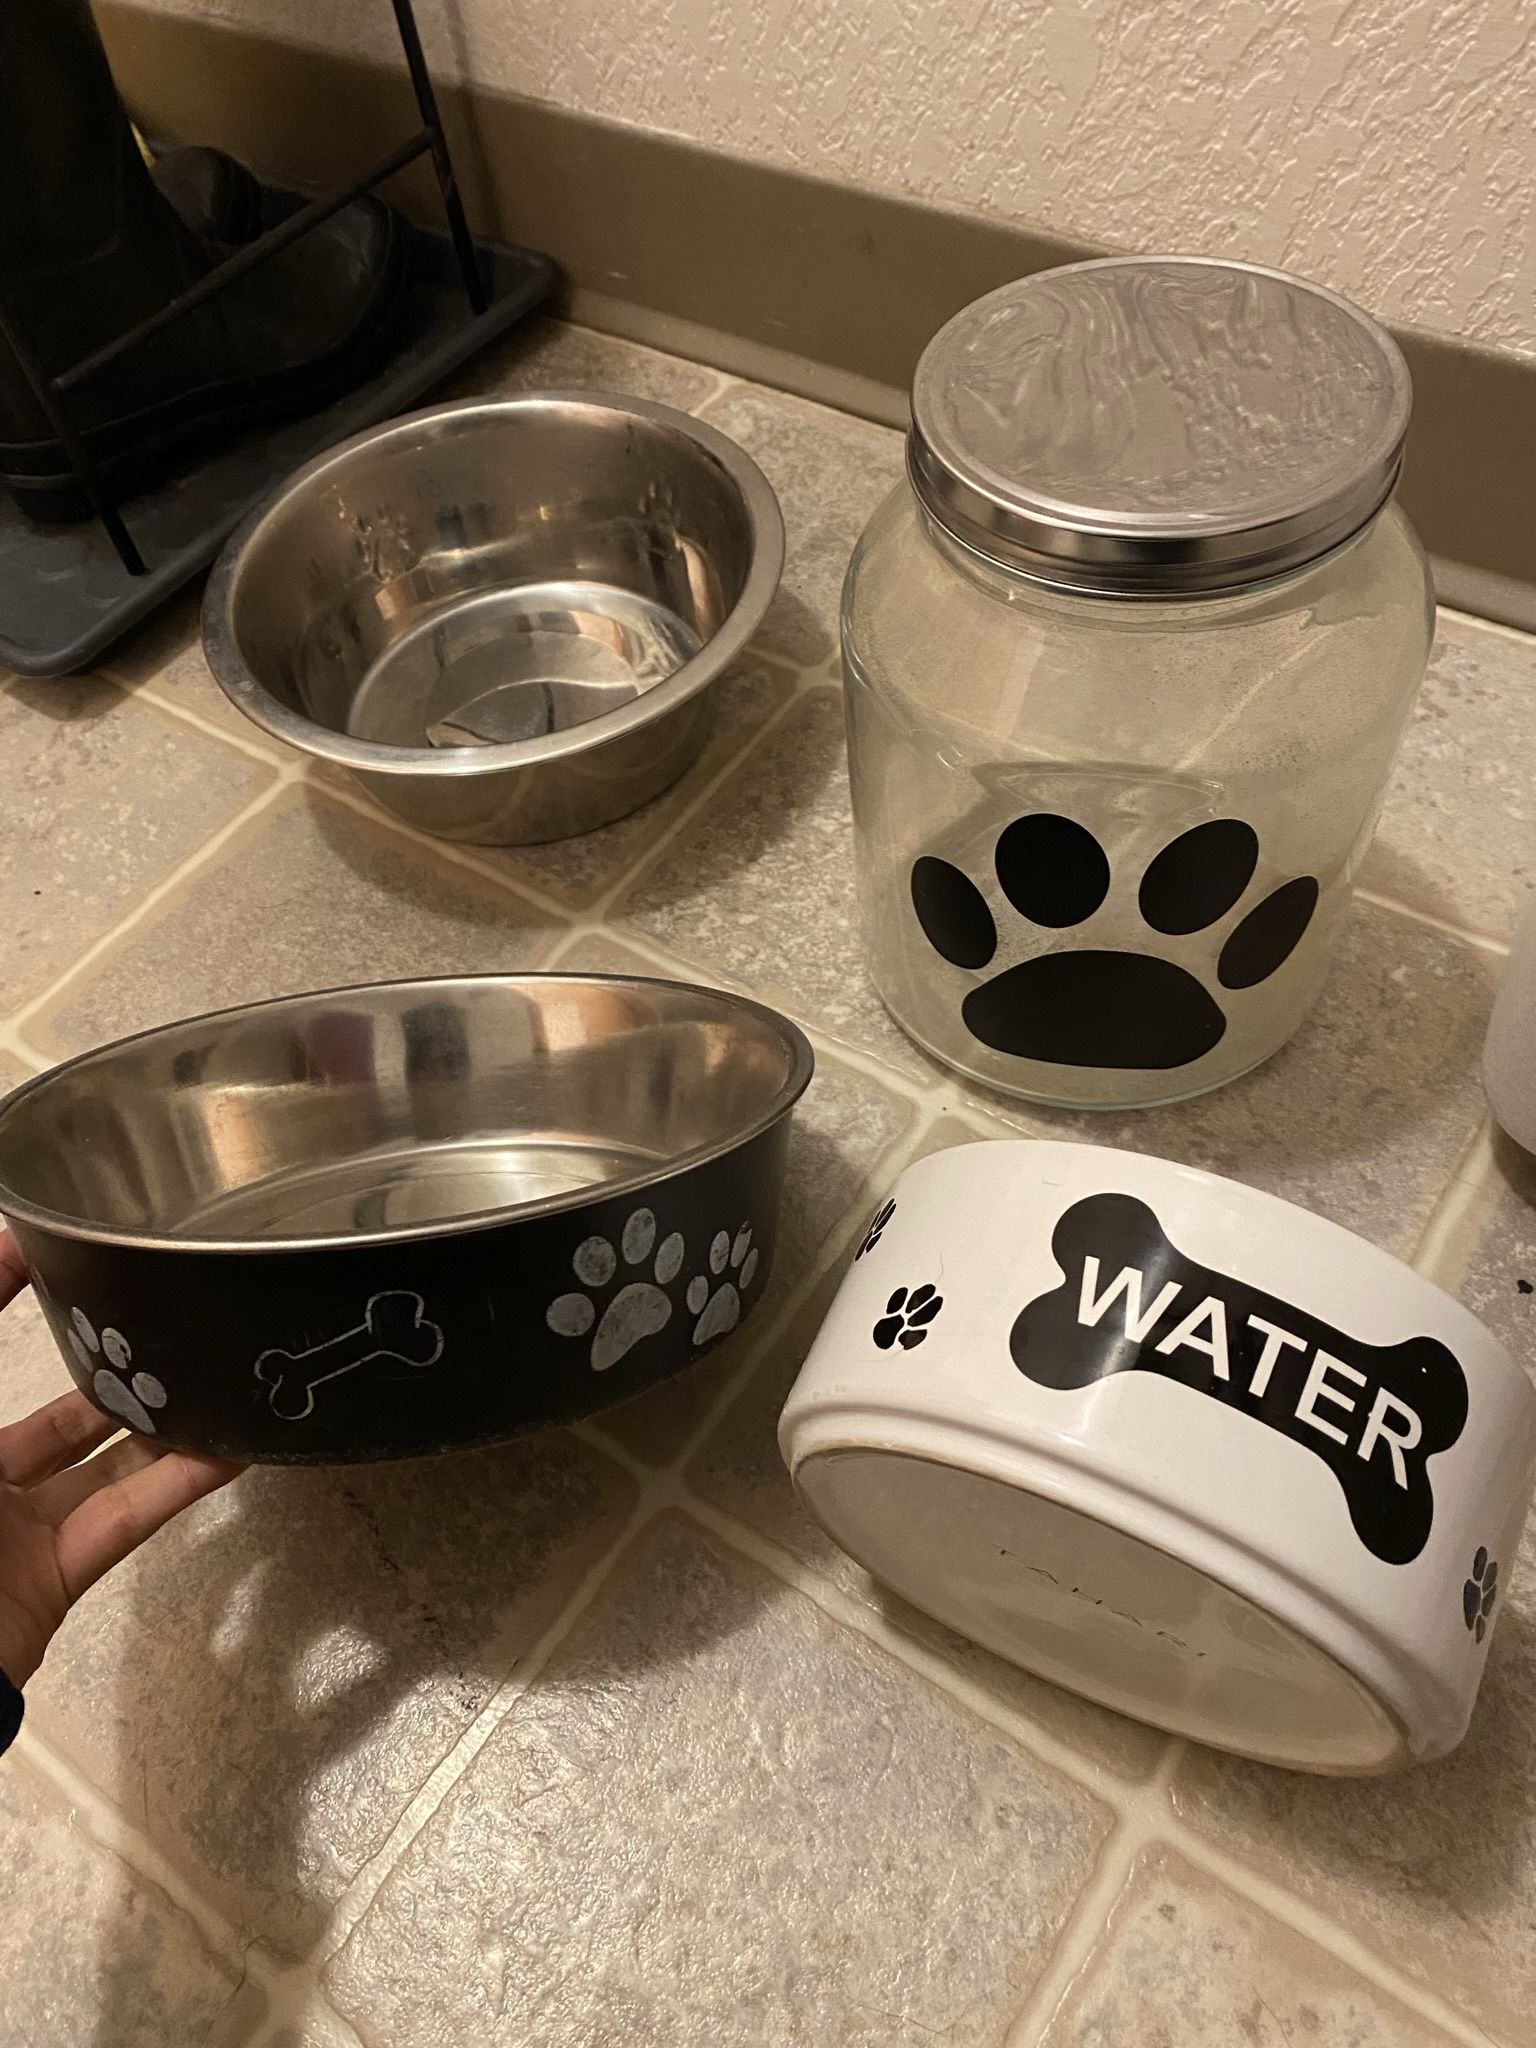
[[1131, 1302], [393, 1326]]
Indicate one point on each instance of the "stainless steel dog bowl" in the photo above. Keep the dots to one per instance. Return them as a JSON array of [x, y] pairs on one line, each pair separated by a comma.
[[503, 616], [406, 1218]]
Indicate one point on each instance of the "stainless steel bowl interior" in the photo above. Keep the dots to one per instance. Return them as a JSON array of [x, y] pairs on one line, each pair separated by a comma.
[[393, 1111], [538, 572]]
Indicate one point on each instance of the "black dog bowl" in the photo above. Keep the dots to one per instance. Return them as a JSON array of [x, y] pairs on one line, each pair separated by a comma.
[[403, 1219]]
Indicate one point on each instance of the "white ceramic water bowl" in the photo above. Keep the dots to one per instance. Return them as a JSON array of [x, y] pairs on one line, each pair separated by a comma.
[[1175, 1444]]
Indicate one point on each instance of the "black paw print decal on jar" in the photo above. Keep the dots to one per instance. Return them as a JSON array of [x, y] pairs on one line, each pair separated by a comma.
[[1479, 1593], [908, 1318], [876, 1228], [1085, 1006]]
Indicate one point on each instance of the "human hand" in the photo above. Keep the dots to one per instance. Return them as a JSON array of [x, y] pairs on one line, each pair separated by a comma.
[[64, 1522]]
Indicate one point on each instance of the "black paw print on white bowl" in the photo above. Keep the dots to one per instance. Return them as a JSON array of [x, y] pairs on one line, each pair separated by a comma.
[[876, 1230], [1091, 1008], [1479, 1593], [115, 1386], [908, 1317]]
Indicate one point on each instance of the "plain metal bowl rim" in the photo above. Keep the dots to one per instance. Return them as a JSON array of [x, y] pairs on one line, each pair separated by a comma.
[[81, 1230], [245, 690]]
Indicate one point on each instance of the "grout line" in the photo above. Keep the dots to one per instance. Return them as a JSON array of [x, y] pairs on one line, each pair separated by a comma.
[[649, 858], [590, 1431], [456, 852], [1320, 1928], [202, 857], [838, 1244], [1494, 626], [358, 1898], [688, 812], [256, 748], [725, 383], [1159, 1784], [463, 853], [111, 1829], [12, 1042], [300, 2000], [730, 386], [1085, 1927], [848, 1611], [936, 1095], [657, 1488], [1441, 1249], [670, 357], [1484, 943], [755, 387], [992, 1123]]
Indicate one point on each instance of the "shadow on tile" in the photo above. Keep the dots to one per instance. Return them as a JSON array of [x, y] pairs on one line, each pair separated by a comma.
[[738, 1468], [386, 860], [74, 700], [266, 1686], [720, 1817], [93, 1955]]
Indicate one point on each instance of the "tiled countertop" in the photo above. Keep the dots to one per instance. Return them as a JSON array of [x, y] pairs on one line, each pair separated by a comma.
[[594, 1740]]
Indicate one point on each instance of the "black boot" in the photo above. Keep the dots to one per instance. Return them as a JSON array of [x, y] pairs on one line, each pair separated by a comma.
[[217, 198], [89, 245]]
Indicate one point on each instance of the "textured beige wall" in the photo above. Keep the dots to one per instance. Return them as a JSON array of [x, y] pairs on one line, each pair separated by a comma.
[[1387, 147]]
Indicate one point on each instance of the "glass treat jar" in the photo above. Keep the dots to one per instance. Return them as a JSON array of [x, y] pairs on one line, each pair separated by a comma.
[[1127, 660]]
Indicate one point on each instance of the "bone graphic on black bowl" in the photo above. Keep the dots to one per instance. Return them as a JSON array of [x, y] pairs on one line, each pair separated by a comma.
[[1131, 1302], [394, 1326]]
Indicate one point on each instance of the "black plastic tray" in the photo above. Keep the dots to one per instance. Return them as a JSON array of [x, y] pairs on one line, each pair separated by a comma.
[[64, 595]]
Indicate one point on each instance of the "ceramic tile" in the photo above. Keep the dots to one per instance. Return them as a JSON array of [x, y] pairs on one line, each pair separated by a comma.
[[718, 1818], [265, 1687], [1497, 1275], [580, 869], [760, 887], [795, 1838], [1434, 1868], [309, 895], [31, 1370], [1457, 833], [13, 1071], [844, 1125], [830, 473], [103, 799], [1365, 1114], [553, 355], [1188, 1964], [165, 655], [91, 1954], [738, 1468], [317, 2027]]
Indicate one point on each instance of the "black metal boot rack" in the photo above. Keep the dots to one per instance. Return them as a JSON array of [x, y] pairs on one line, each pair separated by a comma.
[[113, 585]]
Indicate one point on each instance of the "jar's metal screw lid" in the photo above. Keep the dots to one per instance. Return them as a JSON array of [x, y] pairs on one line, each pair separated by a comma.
[[1158, 425]]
